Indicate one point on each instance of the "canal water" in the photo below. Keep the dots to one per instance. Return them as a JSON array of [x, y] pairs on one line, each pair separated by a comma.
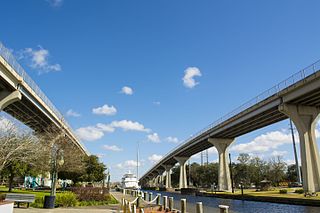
[[210, 205]]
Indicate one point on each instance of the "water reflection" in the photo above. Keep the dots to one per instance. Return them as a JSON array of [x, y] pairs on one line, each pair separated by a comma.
[[210, 204]]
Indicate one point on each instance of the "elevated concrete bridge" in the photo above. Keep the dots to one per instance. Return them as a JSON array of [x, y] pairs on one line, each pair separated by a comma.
[[23, 99], [297, 98]]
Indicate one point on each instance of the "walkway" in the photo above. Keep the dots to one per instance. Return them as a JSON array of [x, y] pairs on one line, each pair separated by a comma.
[[67, 210]]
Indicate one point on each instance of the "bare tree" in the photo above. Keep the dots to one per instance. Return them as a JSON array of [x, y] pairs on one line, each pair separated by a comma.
[[16, 144], [59, 154]]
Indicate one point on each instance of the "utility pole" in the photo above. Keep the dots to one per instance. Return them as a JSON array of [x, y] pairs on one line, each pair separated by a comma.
[[207, 157], [230, 167], [295, 153], [189, 172]]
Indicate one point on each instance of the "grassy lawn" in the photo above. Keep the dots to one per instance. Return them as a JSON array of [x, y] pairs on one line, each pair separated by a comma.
[[272, 193], [40, 194], [40, 197]]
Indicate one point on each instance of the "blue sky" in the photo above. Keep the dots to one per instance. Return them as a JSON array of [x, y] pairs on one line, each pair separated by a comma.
[[83, 53]]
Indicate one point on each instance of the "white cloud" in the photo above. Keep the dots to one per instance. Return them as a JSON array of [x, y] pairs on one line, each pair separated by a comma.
[[112, 148], [55, 3], [212, 150], [7, 125], [279, 153], [127, 125], [89, 133], [188, 78], [156, 103], [104, 110], [172, 139], [264, 142], [39, 59], [290, 162], [71, 113], [129, 164], [154, 138], [105, 127], [100, 155], [154, 158], [127, 90]]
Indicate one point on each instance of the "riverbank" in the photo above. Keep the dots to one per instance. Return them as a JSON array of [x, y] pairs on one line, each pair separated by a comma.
[[273, 197]]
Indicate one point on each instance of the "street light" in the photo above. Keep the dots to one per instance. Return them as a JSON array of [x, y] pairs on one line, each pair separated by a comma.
[[56, 160]]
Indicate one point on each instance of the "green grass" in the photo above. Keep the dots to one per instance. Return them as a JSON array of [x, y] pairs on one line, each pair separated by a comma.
[[39, 195], [272, 193], [39, 198]]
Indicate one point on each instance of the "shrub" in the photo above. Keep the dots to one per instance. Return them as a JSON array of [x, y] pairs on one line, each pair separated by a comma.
[[283, 191], [90, 193], [299, 191], [2, 197], [38, 202], [66, 199]]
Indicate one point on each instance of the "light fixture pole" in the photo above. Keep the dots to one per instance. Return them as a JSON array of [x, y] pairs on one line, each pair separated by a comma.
[[295, 153]]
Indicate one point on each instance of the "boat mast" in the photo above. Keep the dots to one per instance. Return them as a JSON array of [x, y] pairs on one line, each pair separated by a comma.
[[138, 161]]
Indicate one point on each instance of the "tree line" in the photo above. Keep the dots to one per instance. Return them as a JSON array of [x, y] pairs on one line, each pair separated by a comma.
[[24, 152], [248, 171]]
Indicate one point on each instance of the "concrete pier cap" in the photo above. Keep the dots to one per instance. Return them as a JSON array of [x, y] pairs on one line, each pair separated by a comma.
[[305, 119], [168, 175], [224, 179], [183, 172]]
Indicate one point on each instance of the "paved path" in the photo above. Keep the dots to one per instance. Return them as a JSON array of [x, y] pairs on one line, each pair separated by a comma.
[[120, 195]]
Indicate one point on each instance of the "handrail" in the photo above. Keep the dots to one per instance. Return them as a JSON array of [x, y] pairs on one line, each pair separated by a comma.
[[10, 59], [302, 74]]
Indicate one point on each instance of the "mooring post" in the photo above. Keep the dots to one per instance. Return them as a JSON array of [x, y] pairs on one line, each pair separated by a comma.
[[158, 199], [199, 208], [165, 202], [183, 205], [170, 203], [224, 208], [134, 210], [138, 201], [145, 195]]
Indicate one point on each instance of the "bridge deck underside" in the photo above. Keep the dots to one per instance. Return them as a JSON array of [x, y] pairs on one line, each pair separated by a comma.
[[29, 115], [265, 118]]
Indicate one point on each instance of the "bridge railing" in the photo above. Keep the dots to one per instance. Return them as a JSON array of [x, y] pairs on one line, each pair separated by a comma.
[[302, 74], [10, 59]]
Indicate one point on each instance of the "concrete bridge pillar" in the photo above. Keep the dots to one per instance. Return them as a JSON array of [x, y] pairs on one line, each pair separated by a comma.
[[9, 98], [222, 144], [160, 179], [305, 119], [183, 172], [168, 175]]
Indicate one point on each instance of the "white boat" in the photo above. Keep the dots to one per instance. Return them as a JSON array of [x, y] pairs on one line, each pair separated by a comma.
[[129, 181]]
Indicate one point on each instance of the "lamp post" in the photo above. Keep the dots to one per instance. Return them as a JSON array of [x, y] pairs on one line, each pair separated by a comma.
[[56, 160]]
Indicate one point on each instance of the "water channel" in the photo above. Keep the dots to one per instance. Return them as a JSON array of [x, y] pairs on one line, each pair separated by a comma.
[[210, 205]]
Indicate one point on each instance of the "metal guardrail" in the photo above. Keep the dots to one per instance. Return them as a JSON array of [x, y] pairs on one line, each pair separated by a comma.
[[10, 59], [309, 70]]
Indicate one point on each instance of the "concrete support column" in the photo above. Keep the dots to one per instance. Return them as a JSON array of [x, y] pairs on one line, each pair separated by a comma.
[[168, 175], [161, 181], [183, 173], [222, 144], [157, 181], [9, 98], [305, 119]]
